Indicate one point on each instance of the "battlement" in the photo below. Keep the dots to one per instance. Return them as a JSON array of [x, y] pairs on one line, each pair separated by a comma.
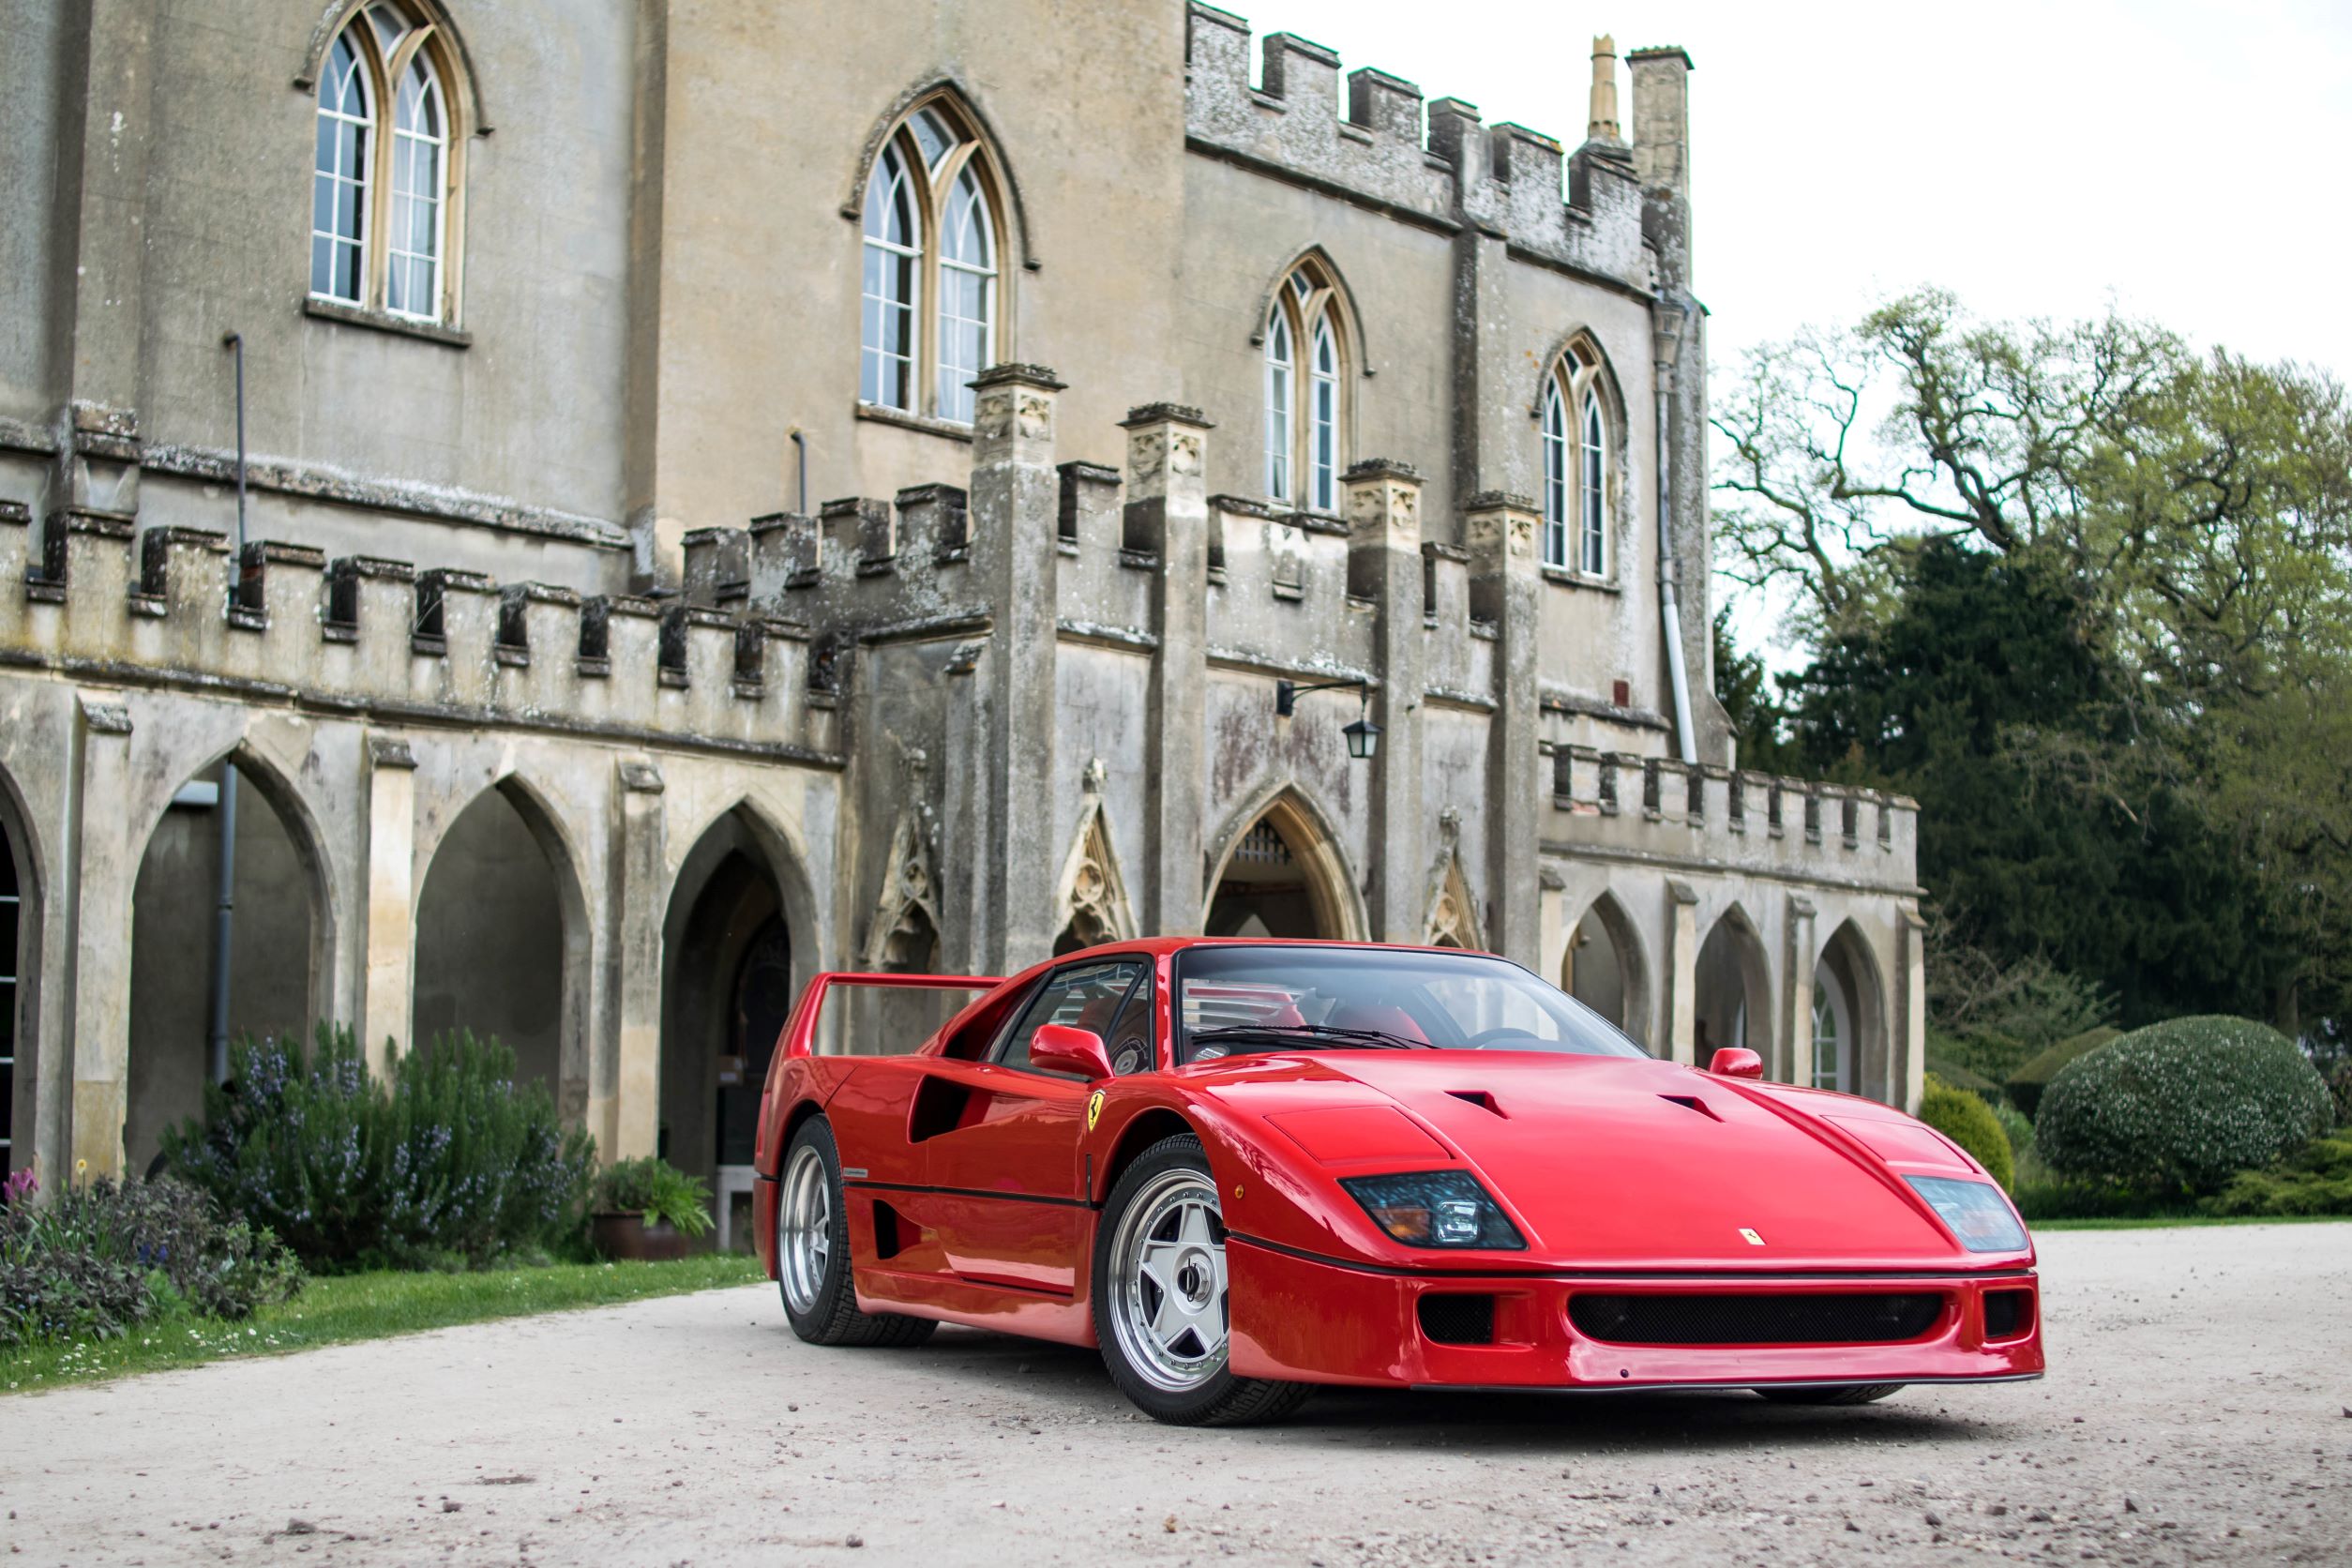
[[1505, 178], [102, 600], [1755, 820]]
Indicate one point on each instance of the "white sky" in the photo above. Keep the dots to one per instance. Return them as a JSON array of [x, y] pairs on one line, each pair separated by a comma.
[[2193, 162]]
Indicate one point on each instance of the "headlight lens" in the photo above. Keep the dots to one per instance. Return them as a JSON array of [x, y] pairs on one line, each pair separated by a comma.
[[1435, 1209], [1977, 1212]]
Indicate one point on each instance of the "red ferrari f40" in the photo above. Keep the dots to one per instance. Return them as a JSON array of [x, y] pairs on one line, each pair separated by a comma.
[[1242, 1169]]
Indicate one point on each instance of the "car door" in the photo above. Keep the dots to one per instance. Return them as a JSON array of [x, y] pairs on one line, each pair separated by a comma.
[[1003, 1142]]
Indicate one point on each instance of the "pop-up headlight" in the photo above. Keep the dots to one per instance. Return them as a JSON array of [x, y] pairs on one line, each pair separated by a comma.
[[1435, 1209], [1977, 1212]]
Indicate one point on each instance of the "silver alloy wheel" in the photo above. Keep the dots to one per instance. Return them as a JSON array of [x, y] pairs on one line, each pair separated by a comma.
[[804, 1228], [1167, 1283]]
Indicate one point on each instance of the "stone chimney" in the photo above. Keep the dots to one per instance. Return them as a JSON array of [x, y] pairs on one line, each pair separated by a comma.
[[1662, 119], [1602, 126]]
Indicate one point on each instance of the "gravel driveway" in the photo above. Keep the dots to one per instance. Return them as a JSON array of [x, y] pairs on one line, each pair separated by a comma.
[[2196, 1411]]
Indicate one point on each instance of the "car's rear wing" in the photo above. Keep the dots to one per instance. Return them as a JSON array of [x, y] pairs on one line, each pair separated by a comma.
[[800, 1032]]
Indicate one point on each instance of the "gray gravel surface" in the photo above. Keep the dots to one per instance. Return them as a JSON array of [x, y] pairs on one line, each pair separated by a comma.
[[2200, 1410]]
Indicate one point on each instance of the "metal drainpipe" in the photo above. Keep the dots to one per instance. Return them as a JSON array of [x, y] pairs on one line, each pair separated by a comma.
[[224, 923], [1671, 614], [800, 447]]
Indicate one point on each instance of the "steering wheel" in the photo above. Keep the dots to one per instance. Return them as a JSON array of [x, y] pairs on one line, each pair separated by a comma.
[[1485, 1037]]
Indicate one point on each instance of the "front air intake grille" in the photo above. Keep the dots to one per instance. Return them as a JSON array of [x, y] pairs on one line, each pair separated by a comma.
[[1451, 1319], [2006, 1313], [1845, 1318]]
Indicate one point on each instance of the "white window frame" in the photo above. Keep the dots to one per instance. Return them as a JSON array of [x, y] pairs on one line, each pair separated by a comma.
[[1833, 1029], [419, 40], [1578, 463], [931, 181], [1307, 391]]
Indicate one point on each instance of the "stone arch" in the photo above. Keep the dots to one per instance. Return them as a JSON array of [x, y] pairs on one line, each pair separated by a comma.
[[1613, 978], [21, 881], [1091, 892], [1733, 986], [281, 924], [1334, 903], [502, 941], [1850, 992], [1352, 328], [960, 99], [465, 82], [730, 960]]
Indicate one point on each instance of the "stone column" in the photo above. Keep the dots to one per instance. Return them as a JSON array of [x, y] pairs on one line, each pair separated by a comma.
[[1384, 566], [1168, 514], [1907, 1048], [1792, 1063], [624, 1086], [104, 861], [1505, 589], [99, 262], [1015, 516], [386, 992], [1680, 1013]]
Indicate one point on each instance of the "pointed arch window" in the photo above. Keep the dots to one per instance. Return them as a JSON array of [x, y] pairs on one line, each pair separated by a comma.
[[1577, 481], [1305, 388], [385, 200], [930, 234]]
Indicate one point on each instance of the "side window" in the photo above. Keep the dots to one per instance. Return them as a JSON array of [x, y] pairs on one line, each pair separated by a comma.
[[1129, 1036], [1088, 996]]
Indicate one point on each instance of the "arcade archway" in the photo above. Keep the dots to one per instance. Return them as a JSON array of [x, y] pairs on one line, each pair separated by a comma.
[[1282, 877]]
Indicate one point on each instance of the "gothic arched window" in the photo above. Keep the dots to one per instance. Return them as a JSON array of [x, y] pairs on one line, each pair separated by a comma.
[[1576, 466], [384, 198], [930, 233], [1305, 435]]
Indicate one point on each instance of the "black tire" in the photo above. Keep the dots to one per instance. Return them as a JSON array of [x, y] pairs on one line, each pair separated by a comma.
[[1220, 1399], [1845, 1394], [830, 1316]]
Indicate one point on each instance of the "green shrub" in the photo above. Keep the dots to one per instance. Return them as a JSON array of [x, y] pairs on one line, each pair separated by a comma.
[[655, 1188], [451, 1162], [2180, 1106], [95, 1261], [1968, 1121], [2026, 1084], [2014, 1122], [2316, 1180]]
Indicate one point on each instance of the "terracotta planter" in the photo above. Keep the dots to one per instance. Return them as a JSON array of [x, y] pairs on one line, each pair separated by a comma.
[[626, 1238]]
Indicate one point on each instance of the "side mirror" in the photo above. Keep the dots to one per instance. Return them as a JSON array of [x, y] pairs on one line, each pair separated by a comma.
[[1056, 1047], [1735, 1062]]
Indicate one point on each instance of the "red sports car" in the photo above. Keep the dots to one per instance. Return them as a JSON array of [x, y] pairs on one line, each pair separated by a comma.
[[1242, 1169]]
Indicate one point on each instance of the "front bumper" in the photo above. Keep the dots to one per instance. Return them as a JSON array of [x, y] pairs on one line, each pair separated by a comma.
[[1320, 1320]]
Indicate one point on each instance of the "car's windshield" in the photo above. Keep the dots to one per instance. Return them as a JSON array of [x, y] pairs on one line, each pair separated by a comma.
[[1245, 998]]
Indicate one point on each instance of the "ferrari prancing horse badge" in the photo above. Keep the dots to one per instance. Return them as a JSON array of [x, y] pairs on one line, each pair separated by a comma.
[[1093, 1109]]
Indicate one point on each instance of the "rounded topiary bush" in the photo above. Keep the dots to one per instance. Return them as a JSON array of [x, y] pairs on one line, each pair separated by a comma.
[[1968, 1121], [2183, 1103]]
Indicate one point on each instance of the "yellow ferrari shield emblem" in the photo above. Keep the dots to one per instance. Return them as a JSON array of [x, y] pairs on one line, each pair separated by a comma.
[[1093, 1109]]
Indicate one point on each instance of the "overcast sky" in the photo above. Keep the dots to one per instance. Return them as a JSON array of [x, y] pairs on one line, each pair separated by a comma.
[[2188, 160]]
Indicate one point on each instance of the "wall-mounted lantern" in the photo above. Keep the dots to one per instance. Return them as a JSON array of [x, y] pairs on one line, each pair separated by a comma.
[[1363, 736]]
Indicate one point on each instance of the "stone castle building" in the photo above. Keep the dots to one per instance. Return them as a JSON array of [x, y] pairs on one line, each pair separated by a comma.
[[558, 709]]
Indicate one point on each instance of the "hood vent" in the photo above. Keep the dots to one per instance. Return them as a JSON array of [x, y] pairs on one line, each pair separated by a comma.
[[1480, 1098], [1692, 1102]]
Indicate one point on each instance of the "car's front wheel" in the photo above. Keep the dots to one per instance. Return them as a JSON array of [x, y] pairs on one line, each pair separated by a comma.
[[1840, 1394], [1160, 1310], [812, 1252]]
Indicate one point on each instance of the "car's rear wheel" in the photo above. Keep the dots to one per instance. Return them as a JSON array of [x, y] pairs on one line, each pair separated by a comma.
[[1842, 1394], [812, 1252], [1160, 1309]]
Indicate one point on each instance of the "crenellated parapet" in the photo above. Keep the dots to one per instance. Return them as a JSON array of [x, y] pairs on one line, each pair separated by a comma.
[[102, 600], [1581, 211]]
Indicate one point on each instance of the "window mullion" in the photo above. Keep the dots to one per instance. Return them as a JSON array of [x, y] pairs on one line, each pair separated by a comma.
[[375, 254]]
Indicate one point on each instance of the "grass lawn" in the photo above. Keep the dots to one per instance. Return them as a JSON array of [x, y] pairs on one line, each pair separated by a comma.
[[2161, 1222], [342, 1307]]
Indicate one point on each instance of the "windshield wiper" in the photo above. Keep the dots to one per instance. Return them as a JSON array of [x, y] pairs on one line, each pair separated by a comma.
[[1373, 1039]]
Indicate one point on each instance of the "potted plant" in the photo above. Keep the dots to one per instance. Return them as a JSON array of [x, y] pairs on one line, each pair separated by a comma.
[[646, 1210]]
